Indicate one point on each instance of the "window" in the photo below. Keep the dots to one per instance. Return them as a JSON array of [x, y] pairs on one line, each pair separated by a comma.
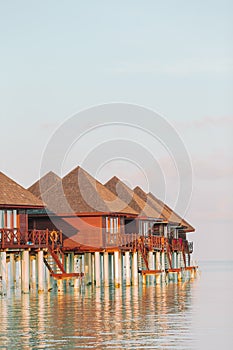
[[15, 218], [112, 224], [140, 227], [144, 227], [1, 218], [8, 219]]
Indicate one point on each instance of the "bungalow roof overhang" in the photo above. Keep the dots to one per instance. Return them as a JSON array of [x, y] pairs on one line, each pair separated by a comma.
[[20, 206], [182, 227], [85, 214], [159, 220]]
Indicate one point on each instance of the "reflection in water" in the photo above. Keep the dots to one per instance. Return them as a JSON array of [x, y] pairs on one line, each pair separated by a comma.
[[155, 317], [97, 318]]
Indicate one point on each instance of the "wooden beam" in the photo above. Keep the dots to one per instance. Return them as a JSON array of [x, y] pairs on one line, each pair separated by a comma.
[[150, 272]]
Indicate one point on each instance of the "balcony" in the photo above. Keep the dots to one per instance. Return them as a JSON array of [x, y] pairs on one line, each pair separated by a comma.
[[14, 238], [132, 240]]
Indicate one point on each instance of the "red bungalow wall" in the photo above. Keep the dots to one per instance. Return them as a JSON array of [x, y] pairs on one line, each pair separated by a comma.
[[85, 230]]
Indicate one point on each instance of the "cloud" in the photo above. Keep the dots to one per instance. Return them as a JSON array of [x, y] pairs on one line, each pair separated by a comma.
[[48, 126], [213, 167], [179, 68], [206, 122]]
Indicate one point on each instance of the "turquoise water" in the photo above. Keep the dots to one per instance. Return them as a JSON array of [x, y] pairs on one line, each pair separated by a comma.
[[191, 315]]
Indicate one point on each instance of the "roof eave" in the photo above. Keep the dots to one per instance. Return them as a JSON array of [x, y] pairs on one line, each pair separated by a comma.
[[21, 206]]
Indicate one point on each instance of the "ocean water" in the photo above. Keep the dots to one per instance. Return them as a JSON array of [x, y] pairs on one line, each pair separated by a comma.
[[190, 315]]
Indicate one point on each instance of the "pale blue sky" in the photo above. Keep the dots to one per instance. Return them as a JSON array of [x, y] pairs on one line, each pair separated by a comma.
[[175, 57]]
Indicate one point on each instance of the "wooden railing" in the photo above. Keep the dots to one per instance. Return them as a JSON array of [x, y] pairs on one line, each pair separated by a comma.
[[177, 244], [133, 240], [121, 240], [14, 238]]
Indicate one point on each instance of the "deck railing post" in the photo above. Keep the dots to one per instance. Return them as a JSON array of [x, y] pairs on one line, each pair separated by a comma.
[[18, 237], [3, 238], [40, 271], [61, 239], [47, 237]]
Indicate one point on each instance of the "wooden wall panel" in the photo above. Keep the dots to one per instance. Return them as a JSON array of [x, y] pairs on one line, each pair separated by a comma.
[[85, 230], [23, 221], [76, 230]]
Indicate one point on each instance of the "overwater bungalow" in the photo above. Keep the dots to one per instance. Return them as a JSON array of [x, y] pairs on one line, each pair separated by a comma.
[[15, 201], [77, 228]]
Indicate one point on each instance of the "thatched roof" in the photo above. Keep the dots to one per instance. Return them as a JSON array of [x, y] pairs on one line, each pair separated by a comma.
[[79, 192], [167, 212], [13, 195], [140, 205], [44, 184]]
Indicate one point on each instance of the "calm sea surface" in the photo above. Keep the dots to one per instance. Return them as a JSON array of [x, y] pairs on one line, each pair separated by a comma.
[[192, 315]]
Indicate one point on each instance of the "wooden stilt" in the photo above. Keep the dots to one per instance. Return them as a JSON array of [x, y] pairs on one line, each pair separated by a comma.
[[116, 269], [12, 270], [97, 269], [3, 272], [127, 267], [106, 269], [25, 272], [157, 267], [41, 272], [135, 268]]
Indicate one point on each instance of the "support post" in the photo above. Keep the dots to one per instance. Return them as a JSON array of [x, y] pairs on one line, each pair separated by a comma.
[[33, 272], [106, 269], [97, 269], [92, 269], [49, 280], [163, 267], [87, 268], [77, 269], [151, 267], [127, 267], [18, 271], [174, 255], [71, 267], [59, 285], [157, 267], [120, 263], [192, 274], [41, 271], [111, 267], [25, 272], [116, 269], [135, 268], [12, 270], [179, 266], [3, 271]]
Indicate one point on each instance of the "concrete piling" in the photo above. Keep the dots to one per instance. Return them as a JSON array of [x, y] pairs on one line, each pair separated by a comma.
[[97, 269], [28, 270], [41, 273], [25, 272], [106, 269]]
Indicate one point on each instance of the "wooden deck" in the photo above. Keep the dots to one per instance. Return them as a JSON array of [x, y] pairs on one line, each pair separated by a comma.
[[39, 239], [34, 239]]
